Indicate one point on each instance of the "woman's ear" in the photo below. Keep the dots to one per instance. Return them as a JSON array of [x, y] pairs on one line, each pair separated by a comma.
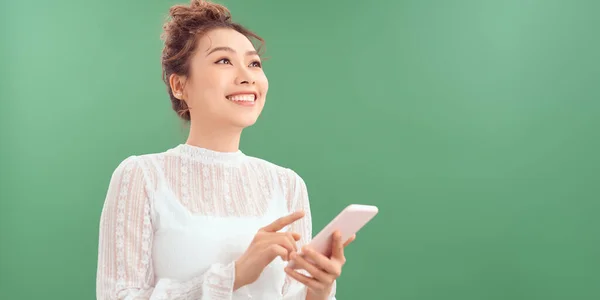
[[177, 83]]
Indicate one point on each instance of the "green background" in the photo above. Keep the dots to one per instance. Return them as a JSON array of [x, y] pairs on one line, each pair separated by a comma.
[[472, 124]]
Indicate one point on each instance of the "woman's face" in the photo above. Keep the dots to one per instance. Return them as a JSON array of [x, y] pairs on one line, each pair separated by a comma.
[[227, 85]]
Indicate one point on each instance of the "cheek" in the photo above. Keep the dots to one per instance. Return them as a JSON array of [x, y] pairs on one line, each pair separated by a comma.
[[263, 84], [206, 89]]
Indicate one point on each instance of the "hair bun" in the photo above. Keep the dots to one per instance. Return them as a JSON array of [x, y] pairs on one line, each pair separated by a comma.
[[202, 10]]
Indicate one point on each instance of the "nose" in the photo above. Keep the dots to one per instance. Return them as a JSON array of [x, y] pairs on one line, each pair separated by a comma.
[[244, 76]]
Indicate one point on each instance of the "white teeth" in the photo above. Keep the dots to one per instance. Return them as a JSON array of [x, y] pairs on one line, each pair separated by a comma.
[[243, 97]]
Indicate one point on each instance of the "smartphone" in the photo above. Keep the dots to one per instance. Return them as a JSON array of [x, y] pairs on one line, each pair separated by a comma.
[[349, 221]]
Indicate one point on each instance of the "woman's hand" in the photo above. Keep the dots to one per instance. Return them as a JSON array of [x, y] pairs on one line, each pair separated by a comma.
[[267, 244], [323, 270]]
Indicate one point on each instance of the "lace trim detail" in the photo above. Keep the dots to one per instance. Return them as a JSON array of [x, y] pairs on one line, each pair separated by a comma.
[[209, 156], [120, 223], [227, 191], [147, 236], [185, 182]]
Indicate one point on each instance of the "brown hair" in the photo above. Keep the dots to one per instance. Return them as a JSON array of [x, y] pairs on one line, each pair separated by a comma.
[[180, 35]]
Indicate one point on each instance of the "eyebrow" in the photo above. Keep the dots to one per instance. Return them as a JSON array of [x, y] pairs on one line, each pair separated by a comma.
[[228, 49]]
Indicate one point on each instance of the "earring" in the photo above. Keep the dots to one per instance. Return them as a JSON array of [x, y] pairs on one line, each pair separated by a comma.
[[178, 94]]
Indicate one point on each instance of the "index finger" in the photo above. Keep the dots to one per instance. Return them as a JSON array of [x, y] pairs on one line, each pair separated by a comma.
[[337, 251], [283, 221]]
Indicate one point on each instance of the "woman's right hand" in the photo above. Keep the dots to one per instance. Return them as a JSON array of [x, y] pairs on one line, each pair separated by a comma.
[[267, 244]]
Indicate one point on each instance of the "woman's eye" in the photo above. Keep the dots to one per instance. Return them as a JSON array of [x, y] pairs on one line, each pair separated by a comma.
[[256, 64], [223, 61]]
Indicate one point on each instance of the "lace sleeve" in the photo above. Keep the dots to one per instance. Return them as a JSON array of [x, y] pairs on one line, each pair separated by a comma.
[[124, 268], [298, 200]]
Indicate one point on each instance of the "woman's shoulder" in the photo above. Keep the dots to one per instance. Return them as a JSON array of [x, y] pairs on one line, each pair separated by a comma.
[[137, 162], [288, 176], [271, 166]]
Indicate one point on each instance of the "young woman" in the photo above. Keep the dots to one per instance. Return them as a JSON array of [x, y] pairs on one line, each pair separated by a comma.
[[202, 220]]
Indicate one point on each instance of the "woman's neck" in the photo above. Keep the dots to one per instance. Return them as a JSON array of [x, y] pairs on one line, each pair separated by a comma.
[[216, 139]]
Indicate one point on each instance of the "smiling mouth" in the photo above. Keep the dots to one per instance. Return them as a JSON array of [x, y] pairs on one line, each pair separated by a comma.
[[242, 98]]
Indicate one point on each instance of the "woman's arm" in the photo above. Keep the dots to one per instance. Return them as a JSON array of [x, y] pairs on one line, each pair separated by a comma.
[[125, 244]]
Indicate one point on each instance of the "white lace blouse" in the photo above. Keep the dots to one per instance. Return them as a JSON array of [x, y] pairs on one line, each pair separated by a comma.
[[174, 222]]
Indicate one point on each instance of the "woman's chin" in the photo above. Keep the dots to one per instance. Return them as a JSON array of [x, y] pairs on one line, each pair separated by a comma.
[[244, 122]]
